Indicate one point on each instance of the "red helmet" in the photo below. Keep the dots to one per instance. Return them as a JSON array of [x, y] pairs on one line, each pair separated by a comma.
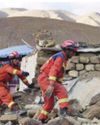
[[69, 44], [14, 54]]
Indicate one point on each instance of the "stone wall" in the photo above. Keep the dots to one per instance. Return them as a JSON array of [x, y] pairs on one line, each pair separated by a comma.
[[77, 65], [84, 62]]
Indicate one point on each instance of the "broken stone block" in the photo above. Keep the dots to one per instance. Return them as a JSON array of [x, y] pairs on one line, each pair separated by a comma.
[[92, 112], [75, 59], [79, 67], [29, 121], [73, 73], [59, 121], [94, 59], [12, 117], [84, 59], [41, 60], [97, 67], [50, 43], [74, 108], [70, 66], [89, 67], [95, 99], [82, 72], [53, 114], [32, 107]]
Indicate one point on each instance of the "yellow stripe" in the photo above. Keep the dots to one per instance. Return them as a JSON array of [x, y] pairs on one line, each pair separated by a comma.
[[11, 104], [52, 78], [44, 112], [63, 100], [14, 71]]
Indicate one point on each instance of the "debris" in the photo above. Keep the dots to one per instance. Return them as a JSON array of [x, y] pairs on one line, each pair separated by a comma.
[[12, 117], [29, 121]]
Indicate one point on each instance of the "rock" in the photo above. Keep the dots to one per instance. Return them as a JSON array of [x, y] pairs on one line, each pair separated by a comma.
[[79, 67], [84, 59], [70, 66], [95, 99], [28, 121], [50, 43], [92, 112], [94, 59], [89, 67], [73, 73], [75, 59], [32, 107], [53, 114], [12, 117], [41, 60], [59, 121], [82, 72], [97, 67], [74, 108]]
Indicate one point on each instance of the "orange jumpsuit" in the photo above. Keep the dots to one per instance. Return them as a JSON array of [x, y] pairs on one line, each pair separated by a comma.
[[53, 69], [6, 74]]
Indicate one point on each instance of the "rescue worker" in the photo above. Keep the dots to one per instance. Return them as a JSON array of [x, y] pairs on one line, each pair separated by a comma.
[[50, 77], [7, 72]]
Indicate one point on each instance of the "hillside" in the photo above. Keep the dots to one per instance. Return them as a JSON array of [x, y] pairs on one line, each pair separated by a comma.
[[53, 14], [90, 19], [12, 30]]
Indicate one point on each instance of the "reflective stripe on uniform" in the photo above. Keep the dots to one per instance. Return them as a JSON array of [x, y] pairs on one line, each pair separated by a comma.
[[52, 78], [14, 71], [44, 112], [24, 80], [63, 100], [11, 104]]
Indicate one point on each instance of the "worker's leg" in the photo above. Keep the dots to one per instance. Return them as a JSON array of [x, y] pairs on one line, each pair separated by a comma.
[[48, 102], [62, 95], [47, 107], [6, 97]]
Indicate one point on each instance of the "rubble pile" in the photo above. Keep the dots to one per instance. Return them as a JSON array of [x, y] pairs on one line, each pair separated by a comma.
[[77, 115]]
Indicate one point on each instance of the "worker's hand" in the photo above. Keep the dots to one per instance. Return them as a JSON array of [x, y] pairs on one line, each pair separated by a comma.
[[49, 91], [25, 73], [31, 85]]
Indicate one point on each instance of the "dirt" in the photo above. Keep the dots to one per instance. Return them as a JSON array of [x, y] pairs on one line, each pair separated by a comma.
[[12, 30]]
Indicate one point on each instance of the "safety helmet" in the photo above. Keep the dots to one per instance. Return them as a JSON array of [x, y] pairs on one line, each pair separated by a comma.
[[69, 44], [14, 54]]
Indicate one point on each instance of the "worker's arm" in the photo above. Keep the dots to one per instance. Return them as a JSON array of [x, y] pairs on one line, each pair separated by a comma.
[[19, 73], [55, 69]]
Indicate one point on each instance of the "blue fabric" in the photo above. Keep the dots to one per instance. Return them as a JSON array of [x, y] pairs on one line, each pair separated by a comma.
[[60, 54], [22, 49]]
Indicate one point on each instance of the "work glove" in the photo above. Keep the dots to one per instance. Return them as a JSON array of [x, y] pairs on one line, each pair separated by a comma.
[[49, 91], [25, 73], [31, 85]]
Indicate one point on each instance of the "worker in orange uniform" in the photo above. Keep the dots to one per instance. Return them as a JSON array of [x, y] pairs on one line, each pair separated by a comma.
[[50, 77], [7, 72]]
